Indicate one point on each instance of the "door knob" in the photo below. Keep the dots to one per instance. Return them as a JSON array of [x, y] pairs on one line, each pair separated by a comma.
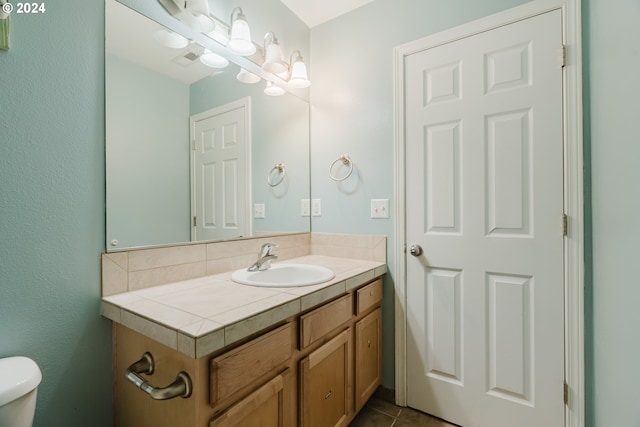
[[415, 250]]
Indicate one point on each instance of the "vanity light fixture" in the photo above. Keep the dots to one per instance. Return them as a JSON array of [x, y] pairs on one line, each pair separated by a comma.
[[273, 90], [213, 60], [299, 76], [240, 41], [273, 62], [197, 15], [170, 39], [246, 77]]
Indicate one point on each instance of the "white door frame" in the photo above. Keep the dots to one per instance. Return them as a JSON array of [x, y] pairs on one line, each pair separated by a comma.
[[573, 190]]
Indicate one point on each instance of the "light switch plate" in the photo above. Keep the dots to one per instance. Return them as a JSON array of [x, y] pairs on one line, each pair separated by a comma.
[[258, 210], [316, 207], [379, 208], [305, 207]]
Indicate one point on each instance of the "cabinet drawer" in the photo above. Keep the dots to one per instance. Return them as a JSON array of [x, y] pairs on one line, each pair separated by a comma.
[[368, 296], [316, 324], [244, 365]]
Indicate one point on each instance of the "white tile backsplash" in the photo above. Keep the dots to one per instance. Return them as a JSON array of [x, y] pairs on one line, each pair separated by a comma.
[[138, 269]]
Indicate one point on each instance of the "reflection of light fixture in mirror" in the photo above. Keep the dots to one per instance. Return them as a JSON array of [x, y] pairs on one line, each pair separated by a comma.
[[197, 16], [246, 77], [170, 39], [298, 77], [213, 60], [273, 62], [273, 90], [240, 35]]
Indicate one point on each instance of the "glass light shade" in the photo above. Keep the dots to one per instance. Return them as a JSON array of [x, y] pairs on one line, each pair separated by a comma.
[[273, 90], [240, 38], [170, 39], [299, 77], [213, 60], [246, 77], [197, 16], [273, 62]]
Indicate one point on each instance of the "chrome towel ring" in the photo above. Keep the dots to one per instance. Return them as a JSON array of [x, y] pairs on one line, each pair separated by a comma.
[[345, 161], [279, 172]]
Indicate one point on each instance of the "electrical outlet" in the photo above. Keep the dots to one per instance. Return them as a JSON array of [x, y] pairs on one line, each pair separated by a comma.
[[258, 210], [379, 208], [316, 207], [305, 207]]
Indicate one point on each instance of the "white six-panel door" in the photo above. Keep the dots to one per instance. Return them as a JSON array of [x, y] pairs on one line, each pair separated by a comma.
[[484, 201], [220, 180]]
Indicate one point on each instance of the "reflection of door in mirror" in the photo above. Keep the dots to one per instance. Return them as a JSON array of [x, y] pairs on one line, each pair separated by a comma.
[[220, 172]]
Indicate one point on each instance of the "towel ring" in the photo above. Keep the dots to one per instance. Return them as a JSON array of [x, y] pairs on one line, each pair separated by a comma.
[[345, 161], [279, 169]]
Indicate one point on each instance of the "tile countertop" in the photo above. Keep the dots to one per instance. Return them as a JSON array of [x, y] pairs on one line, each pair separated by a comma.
[[199, 316]]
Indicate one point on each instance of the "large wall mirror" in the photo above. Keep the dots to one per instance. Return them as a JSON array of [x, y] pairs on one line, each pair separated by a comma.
[[168, 119]]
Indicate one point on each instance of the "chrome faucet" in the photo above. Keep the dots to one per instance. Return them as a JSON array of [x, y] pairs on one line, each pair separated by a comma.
[[264, 258]]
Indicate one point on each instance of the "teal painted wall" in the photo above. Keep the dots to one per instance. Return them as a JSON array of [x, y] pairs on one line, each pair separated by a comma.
[[613, 61], [148, 182], [352, 113], [52, 209]]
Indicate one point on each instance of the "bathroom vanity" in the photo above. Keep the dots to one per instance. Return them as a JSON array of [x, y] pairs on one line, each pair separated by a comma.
[[292, 356]]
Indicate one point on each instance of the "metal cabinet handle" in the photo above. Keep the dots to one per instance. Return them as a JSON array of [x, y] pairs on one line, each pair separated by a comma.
[[415, 250], [181, 387]]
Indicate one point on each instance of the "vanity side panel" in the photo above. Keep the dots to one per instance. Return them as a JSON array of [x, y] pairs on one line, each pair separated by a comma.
[[134, 408]]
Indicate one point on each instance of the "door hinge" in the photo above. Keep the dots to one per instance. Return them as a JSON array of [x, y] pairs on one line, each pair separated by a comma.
[[566, 393], [563, 56], [565, 225], [194, 221], [193, 144]]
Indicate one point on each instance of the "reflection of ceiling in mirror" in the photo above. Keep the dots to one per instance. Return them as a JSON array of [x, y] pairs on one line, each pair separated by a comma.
[[130, 35], [314, 12]]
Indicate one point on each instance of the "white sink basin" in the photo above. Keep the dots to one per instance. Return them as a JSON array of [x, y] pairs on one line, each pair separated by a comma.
[[284, 275]]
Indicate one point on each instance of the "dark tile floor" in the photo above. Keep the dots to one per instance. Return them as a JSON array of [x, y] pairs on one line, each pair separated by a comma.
[[379, 412]]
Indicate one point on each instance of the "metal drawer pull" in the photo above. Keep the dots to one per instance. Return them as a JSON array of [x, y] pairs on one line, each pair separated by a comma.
[[180, 387], [328, 395]]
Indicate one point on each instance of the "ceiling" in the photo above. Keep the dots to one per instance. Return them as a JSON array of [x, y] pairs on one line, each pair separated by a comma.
[[314, 12]]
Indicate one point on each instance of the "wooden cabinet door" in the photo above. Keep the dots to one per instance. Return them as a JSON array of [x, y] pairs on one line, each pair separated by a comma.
[[326, 383], [368, 356], [263, 408]]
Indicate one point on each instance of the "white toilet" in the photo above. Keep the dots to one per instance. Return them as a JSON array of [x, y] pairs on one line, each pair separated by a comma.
[[19, 380]]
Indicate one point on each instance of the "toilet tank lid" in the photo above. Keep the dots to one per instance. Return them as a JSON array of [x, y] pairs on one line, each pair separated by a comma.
[[18, 376]]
